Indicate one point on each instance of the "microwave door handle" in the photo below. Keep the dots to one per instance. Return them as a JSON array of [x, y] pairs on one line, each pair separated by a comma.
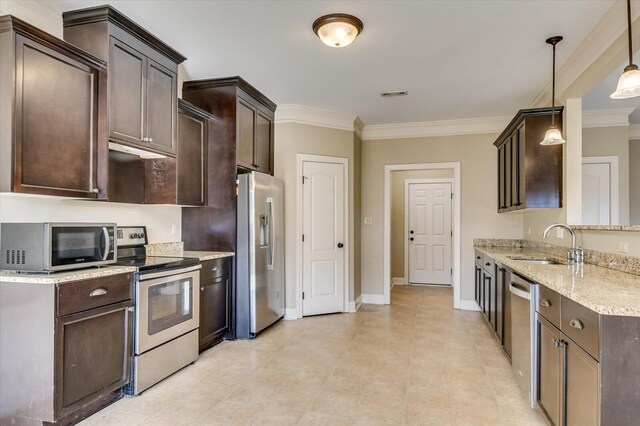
[[105, 234]]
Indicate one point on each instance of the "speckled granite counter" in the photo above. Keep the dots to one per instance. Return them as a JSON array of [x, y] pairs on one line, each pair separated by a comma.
[[207, 255], [63, 277], [602, 290]]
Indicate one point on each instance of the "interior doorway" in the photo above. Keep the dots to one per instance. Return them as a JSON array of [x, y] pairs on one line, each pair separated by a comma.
[[396, 236], [428, 231], [600, 191]]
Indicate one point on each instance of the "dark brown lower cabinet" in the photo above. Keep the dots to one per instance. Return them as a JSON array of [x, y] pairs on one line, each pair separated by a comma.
[[65, 348], [550, 370], [583, 385], [215, 301], [93, 354]]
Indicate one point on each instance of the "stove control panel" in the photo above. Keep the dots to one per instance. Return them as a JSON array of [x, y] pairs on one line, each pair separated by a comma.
[[132, 236]]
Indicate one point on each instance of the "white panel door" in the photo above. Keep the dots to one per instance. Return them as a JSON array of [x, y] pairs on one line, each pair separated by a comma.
[[429, 233], [596, 197], [323, 254]]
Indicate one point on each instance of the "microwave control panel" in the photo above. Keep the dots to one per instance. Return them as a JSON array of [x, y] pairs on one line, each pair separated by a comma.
[[131, 236]]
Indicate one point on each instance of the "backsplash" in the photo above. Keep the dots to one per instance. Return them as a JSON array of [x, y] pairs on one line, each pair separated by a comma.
[[165, 249], [618, 262]]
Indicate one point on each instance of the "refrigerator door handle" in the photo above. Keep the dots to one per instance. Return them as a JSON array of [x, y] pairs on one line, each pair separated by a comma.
[[271, 232]]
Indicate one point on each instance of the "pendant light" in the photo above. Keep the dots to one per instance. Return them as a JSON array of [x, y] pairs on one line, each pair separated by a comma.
[[553, 135], [629, 83], [337, 29]]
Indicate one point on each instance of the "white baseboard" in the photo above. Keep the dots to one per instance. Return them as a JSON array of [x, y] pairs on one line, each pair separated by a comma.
[[469, 305], [398, 281], [373, 299], [358, 303], [291, 314]]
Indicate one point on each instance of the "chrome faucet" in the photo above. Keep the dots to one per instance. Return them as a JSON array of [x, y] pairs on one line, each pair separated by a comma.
[[575, 255]]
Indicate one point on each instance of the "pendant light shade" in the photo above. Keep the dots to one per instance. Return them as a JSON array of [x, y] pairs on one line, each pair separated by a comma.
[[629, 82], [553, 136], [337, 29]]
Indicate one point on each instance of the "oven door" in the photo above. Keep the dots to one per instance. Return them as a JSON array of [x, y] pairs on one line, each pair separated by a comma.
[[167, 306]]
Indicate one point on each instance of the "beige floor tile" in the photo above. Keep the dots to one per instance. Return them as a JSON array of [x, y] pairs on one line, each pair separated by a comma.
[[414, 362]]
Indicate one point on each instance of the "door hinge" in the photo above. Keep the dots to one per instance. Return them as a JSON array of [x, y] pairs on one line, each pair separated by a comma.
[[303, 178], [303, 295], [303, 238], [452, 195], [452, 233], [451, 271]]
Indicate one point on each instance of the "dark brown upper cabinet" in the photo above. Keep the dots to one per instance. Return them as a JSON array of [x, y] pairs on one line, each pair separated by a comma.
[[529, 174], [51, 141], [247, 117], [143, 77], [194, 130]]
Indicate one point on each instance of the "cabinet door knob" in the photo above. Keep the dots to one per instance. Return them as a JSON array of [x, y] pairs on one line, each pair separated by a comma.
[[576, 323], [150, 139], [95, 190], [545, 303], [201, 288], [131, 309], [98, 292], [411, 239], [340, 245], [487, 264]]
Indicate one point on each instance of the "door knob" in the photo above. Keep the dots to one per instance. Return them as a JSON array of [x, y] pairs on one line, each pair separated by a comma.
[[340, 245], [411, 239]]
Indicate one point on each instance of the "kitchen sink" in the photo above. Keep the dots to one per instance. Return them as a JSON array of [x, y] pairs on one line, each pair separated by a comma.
[[536, 261]]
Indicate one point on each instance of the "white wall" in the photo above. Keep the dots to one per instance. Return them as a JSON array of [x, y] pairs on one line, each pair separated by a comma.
[[159, 220]]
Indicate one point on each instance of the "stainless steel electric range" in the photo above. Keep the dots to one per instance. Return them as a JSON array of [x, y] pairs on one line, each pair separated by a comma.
[[166, 304]]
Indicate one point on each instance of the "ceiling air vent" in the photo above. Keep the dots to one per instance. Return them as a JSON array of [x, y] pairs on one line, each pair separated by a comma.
[[396, 93]]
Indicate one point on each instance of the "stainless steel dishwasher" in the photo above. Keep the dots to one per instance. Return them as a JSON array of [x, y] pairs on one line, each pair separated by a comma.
[[523, 335]]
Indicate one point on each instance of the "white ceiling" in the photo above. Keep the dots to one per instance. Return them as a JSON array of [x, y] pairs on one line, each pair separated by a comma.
[[598, 98], [457, 59]]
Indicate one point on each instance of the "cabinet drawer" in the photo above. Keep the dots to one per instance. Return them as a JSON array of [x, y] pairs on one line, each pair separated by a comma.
[[489, 264], [212, 269], [479, 259], [581, 325], [82, 295], [548, 305]]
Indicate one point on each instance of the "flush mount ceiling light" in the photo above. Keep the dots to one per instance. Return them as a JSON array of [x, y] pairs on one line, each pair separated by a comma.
[[337, 29], [553, 135], [629, 83]]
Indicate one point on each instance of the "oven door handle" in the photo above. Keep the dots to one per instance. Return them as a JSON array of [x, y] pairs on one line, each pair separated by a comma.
[[145, 277]]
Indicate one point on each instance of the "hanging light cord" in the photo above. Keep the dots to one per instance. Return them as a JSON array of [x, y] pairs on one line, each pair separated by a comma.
[[553, 88], [629, 32]]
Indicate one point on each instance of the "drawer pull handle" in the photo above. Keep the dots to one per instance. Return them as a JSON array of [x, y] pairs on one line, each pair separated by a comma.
[[545, 303], [98, 292], [215, 269], [576, 323]]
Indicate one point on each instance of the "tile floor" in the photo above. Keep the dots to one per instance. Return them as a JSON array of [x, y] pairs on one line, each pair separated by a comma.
[[415, 362]]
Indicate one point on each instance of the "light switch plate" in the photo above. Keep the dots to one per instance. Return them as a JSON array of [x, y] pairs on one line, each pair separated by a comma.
[[623, 247], [174, 229], [368, 220]]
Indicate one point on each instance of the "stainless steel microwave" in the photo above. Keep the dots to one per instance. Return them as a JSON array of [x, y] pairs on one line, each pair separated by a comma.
[[51, 247]]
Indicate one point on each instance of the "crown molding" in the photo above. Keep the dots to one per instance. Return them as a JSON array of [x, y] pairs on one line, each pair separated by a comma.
[[358, 127], [606, 117], [291, 113], [634, 131], [465, 126]]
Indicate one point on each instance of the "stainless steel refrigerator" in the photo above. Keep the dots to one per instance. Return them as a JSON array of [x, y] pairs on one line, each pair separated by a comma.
[[260, 253]]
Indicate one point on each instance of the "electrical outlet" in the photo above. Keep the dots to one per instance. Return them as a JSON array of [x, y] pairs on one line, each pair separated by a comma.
[[368, 220], [174, 229], [529, 230], [559, 233], [623, 247]]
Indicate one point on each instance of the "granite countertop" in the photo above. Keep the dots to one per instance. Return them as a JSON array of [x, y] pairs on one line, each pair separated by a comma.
[[605, 291], [207, 255], [63, 277]]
